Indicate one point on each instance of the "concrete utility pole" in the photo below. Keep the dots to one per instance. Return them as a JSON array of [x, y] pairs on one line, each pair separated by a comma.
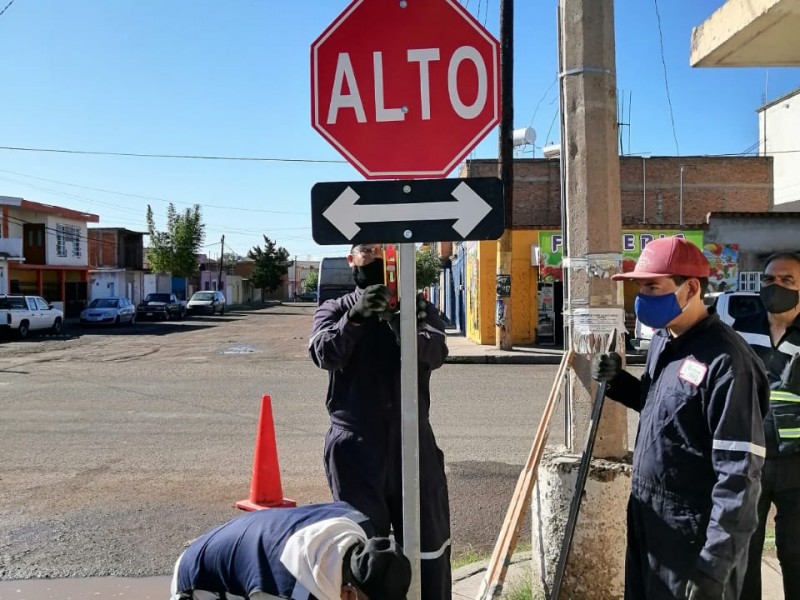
[[503, 337], [593, 207]]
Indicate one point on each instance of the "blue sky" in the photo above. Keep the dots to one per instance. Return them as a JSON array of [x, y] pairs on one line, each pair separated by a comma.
[[231, 78]]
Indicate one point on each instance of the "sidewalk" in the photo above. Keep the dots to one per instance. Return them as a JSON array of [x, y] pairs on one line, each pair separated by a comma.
[[467, 580], [463, 350]]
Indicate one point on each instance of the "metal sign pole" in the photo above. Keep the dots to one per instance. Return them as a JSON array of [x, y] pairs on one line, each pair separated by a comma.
[[410, 412]]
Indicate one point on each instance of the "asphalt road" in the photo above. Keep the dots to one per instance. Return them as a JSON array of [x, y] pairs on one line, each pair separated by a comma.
[[119, 446]]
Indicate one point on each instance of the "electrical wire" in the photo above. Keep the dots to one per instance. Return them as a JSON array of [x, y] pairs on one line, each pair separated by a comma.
[[538, 104], [179, 156], [666, 79], [128, 195], [6, 8]]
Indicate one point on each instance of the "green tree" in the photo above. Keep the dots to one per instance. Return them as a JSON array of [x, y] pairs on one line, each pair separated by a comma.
[[175, 250], [271, 264], [428, 268], [312, 279]]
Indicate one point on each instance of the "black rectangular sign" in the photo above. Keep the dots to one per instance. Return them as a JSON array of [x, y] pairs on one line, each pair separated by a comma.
[[412, 210]]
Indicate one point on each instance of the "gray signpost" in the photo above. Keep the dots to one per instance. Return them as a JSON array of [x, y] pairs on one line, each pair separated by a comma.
[[406, 100]]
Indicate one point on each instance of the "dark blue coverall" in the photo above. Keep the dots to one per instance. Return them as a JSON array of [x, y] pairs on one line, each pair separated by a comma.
[[363, 459], [697, 461], [780, 483], [243, 556]]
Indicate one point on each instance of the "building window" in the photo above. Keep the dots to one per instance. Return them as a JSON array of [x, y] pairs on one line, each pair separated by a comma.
[[68, 240], [749, 281]]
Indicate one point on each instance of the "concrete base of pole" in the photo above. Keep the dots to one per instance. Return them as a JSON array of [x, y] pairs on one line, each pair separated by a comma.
[[595, 569]]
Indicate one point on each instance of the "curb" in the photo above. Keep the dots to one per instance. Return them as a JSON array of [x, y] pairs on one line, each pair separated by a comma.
[[472, 569], [512, 359], [523, 359]]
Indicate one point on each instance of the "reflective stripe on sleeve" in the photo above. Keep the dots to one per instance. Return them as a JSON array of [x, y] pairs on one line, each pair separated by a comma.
[[314, 337], [436, 553], [783, 396], [792, 433], [756, 339], [740, 447]]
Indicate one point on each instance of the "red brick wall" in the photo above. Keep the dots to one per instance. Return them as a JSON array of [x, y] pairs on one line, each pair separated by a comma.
[[710, 184], [102, 248]]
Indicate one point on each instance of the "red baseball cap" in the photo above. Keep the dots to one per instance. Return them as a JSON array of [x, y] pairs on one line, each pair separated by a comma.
[[667, 257]]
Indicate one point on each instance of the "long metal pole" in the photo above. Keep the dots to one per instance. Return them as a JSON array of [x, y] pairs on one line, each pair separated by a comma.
[[503, 329], [410, 412], [562, 184]]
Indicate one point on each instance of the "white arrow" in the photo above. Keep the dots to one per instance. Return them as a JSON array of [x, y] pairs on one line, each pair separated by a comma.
[[468, 209]]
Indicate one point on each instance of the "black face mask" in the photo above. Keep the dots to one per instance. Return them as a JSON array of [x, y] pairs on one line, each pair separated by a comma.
[[779, 299], [369, 274]]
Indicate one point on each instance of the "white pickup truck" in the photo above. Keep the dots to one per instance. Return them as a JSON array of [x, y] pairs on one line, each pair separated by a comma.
[[728, 305], [23, 314]]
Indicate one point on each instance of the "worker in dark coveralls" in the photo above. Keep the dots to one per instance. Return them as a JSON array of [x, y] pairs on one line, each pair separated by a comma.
[[775, 336], [313, 552], [355, 339], [700, 445]]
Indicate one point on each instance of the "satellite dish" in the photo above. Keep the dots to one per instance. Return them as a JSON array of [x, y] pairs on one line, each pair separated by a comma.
[[524, 137]]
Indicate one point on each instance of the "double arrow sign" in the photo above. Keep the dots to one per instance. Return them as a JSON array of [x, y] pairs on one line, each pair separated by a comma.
[[423, 210]]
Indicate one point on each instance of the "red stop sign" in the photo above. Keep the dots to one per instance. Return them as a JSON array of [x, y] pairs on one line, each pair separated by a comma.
[[405, 88]]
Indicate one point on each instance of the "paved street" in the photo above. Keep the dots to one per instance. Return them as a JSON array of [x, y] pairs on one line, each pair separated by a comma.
[[118, 446]]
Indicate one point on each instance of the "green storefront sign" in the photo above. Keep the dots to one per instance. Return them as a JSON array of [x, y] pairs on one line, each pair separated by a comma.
[[551, 246]]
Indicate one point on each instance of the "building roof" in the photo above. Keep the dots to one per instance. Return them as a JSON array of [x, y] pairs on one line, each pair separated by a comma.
[[59, 211], [748, 33], [123, 230], [752, 215], [772, 103]]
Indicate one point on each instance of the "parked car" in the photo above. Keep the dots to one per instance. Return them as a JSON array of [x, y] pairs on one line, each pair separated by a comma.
[[161, 306], [23, 314], [207, 303], [735, 305], [306, 297], [109, 311]]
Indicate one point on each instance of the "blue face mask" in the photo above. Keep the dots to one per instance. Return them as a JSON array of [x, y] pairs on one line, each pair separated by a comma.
[[657, 311]]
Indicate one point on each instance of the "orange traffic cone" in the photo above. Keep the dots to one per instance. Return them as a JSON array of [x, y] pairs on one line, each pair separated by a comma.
[[265, 487]]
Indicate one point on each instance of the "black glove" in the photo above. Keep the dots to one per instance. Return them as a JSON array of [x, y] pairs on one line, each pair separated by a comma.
[[703, 587], [606, 366], [422, 310], [374, 300]]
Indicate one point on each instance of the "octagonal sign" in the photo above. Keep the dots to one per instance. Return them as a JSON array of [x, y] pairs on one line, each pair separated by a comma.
[[405, 88]]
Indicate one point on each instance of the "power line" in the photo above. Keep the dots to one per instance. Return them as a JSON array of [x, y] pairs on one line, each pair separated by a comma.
[[118, 193], [179, 156], [6, 8], [538, 104], [666, 79]]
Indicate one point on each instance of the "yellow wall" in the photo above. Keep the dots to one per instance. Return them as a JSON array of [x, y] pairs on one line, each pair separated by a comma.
[[481, 289]]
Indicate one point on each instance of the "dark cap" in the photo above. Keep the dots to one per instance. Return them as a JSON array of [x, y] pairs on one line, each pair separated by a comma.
[[381, 570], [668, 257]]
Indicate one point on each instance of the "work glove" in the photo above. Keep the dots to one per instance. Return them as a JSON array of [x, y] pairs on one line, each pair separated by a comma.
[[374, 300], [703, 587], [393, 317], [422, 310], [606, 366]]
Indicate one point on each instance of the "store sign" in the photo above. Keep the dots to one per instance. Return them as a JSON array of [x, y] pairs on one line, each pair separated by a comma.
[[551, 248]]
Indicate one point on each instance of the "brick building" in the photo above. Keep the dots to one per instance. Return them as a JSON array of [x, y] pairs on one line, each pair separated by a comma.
[[116, 263], [651, 188], [660, 196]]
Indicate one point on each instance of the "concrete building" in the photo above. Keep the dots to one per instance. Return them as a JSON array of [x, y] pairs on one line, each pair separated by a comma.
[[778, 127], [44, 251], [296, 276], [748, 33]]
